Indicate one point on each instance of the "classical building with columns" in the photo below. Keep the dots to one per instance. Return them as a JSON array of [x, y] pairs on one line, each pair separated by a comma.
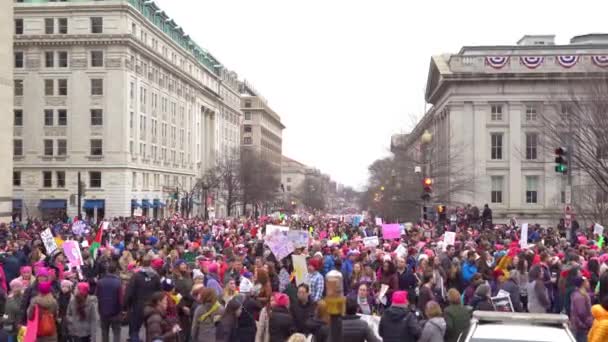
[[6, 105], [488, 143], [117, 92]]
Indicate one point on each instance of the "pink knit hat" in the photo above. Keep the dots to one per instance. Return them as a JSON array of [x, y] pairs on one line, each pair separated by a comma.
[[280, 299], [399, 299], [45, 287]]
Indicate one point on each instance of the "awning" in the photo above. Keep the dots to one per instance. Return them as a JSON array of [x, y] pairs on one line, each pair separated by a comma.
[[92, 204], [52, 204], [17, 204], [158, 204], [135, 204], [145, 204]]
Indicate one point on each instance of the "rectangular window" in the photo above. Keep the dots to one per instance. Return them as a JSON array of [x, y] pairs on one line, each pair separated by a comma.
[[62, 87], [497, 186], [96, 58], [96, 25], [19, 26], [47, 179], [565, 110], [18, 59], [18, 87], [247, 104], [247, 128], [247, 141], [96, 147], [531, 112], [62, 59], [48, 147], [62, 25], [62, 117], [49, 25], [96, 117], [95, 179], [49, 59], [96, 86], [60, 179], [62, 147], [49, 87], [18, 117], [531, 146], [562, 197], [496, 147], [17, 147], [496, 111], [48, 117], [247, 115], [531, 189], [16, 178]]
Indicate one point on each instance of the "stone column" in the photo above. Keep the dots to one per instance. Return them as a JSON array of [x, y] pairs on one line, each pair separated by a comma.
[[6, 110]]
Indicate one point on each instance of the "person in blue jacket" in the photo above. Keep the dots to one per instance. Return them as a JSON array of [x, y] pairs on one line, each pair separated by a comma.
[[469, 268]]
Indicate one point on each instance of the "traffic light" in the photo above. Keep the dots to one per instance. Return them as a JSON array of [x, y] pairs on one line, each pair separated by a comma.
[[561, 161], [441, 212], [426, 183]]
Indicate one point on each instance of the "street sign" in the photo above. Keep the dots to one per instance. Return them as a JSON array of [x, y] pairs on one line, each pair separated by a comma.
[[568, 195]]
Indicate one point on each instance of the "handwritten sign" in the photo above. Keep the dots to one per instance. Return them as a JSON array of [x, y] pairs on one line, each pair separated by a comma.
[[391, 231], [598, 230], [373, 322], [449, 238], [502, 302], [299, 266], [523, 240], [299, 238], [279, 245], [79, 227], [378, 221], [401, 251], [371, 241], [270, 229], [72, 252], [49, 241]]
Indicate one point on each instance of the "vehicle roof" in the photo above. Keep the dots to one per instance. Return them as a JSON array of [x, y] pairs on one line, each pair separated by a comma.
[[520, 332]]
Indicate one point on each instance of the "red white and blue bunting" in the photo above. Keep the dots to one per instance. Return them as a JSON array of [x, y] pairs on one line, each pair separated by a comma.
[[567, 61], [531, 62], [600, 60], [497, 62]]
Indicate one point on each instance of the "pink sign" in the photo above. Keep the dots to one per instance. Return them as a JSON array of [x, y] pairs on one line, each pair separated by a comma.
[[391, 231], [72, 251]]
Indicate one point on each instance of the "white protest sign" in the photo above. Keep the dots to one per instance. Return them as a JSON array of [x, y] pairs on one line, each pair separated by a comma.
[[279, 245], [49, 241], [371, 241], [401, 251], [105, 225], [373, 322], [523, 240], [84, 244], [270, 229], [598, 230], [378, 221], [300, 268], [449, 238], [299, 238]]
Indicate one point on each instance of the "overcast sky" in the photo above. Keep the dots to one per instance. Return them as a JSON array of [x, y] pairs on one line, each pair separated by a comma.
[[344, 75]]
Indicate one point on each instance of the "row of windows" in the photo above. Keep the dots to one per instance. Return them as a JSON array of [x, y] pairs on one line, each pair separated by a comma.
[[497, 146], [60, 25], [154, 153], [532, 111], [96, 147], [166, 180], [497, 189], [49, 116], [58, 59], [47, 179], [59, 87]]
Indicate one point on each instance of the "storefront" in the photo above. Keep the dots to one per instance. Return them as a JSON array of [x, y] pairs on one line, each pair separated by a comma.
[[94, 209], [135, 206], [17, 210], [158, 208], [145, 207], [52, 209]]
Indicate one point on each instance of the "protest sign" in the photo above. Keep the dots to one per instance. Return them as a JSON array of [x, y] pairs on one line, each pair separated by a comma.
[[373, 322], [391, 231], [279, 245], [72, 252], [378, 221], [299, 266], [502, 302], [84, 244], [299, 238], [79, 228], [270, 229], [448, 239], [598, 230], [356, 221], [371, 241], [401, 251], [49, 241], [523, 240]]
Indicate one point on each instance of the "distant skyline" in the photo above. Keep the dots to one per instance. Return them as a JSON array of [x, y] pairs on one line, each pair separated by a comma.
[[344, 75]]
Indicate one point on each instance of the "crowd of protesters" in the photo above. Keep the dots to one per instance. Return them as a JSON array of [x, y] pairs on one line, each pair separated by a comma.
[[183, 279]]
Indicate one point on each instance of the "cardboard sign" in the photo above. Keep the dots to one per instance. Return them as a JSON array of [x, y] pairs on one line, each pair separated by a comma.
[[270, 229], [391, 231], [502, 302], [378, 221], [523, 240], [598, 230], [49, 241], [279, 245], [71, 249], [79, 228], [371, 241], [401, 251], [299, 267], [449, 238], [299, 238]]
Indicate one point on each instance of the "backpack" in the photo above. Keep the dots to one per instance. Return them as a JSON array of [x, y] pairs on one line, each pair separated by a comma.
[[46, 323]]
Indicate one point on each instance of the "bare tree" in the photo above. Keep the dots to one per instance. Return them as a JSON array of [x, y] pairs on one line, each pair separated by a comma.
[[311, 193], [229, 171], [260, 181]]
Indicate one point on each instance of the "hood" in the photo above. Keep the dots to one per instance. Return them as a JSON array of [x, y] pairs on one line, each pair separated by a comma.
[[440, 322], [395, 314], [599, 312]]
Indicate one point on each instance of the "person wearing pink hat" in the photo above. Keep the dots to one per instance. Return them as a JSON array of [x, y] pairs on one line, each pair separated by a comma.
[[82, 318], [45, 306], [398, 323]]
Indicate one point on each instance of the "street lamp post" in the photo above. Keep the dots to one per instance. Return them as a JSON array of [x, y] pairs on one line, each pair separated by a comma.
[[425, 140]]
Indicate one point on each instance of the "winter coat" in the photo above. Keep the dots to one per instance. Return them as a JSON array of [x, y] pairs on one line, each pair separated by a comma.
[[83, 327], [433, 331], [399, 325], [157, 327], [246, 322], [13, 311], [426, 295], [301, 314], [356, 330], [204, 322], [580, 311], [458, 320], [109, 296], [538, 297], [468, 271], [281, 324], [603, 285], [48, 303], [214, 284], [407, 281], [226, 331], [319, 329], [599, 329], [511, 286], [142, 286], [481, 304]]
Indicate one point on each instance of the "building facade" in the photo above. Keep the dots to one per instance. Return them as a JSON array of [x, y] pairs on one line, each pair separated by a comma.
[[292, 176], [487, 142], [262, 127], [6, 106], [114, 91]]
